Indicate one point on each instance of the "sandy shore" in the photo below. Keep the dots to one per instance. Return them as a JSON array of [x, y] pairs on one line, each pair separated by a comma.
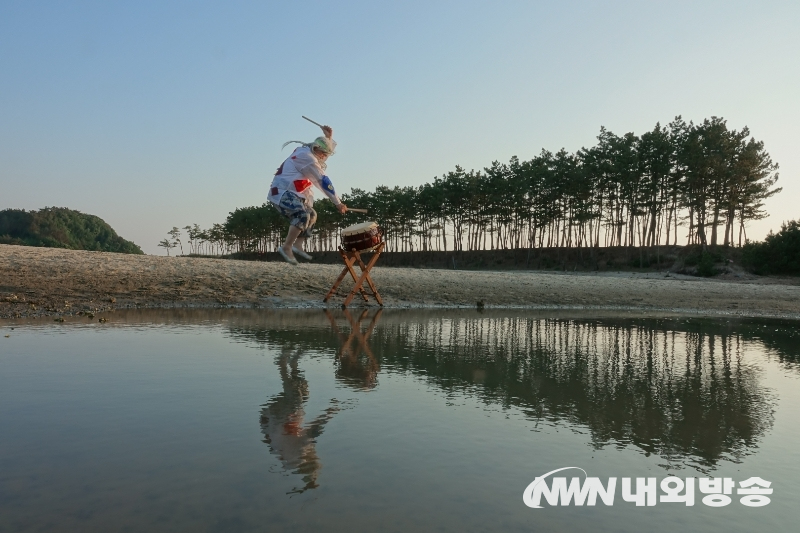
[[46, 281]]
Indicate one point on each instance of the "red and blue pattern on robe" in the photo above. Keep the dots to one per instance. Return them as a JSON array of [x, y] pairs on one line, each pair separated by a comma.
[[302, 185]]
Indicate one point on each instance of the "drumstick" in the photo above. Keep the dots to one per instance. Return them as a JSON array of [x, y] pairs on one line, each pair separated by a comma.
[[311, 121], [354, 210]]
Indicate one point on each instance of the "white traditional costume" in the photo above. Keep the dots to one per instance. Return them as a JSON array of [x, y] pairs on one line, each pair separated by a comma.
[[292, 189]]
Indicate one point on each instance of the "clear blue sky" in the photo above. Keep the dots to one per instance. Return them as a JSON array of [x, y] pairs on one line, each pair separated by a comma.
[[159, 114]]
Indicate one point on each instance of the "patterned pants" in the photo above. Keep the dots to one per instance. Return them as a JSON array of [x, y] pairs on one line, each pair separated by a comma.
[[300, 214]]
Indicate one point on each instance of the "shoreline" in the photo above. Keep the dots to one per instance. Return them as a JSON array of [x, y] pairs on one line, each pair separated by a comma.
[[51, 282]]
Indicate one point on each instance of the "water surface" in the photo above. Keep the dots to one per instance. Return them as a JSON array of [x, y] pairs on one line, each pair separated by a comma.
[[274, 420]]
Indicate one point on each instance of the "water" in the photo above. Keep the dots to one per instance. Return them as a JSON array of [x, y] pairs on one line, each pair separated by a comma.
[[270, 421]]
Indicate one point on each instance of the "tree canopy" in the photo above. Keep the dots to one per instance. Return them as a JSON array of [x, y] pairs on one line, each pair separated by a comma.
[[778, 254], [627, 190], [59, 227]]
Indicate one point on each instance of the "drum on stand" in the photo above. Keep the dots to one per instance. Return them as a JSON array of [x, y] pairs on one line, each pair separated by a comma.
[[363, 237]]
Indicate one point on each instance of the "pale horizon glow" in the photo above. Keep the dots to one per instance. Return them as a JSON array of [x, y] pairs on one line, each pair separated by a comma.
[[159, 114]]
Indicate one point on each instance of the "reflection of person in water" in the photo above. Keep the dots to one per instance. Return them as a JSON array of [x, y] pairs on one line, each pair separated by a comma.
[[282, 423], [282, 417]]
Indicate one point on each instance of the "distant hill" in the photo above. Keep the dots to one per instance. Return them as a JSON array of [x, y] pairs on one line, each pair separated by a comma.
[[59, 227]]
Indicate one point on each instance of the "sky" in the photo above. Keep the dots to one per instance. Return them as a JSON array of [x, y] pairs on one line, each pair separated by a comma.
[[159, 114]]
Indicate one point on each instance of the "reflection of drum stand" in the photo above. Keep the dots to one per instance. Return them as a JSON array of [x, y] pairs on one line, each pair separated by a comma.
[[356, 335], [359, 238]]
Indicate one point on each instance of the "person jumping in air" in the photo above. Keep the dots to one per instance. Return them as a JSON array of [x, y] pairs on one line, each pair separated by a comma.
[[291, 191]]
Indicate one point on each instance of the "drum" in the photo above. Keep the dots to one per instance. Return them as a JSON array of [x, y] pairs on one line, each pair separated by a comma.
[[363, 237]]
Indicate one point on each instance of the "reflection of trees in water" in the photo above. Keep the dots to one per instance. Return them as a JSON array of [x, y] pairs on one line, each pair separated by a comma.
[[687, 396], [675, 388], [781, 338]]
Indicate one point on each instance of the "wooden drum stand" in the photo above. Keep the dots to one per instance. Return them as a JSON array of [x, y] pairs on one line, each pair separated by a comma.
[[350, 258]]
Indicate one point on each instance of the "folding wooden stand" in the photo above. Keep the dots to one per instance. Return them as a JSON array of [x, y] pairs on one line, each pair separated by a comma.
[[350, 258]]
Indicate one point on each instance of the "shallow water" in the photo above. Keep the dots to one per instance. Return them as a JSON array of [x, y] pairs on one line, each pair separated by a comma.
[[351, 421]]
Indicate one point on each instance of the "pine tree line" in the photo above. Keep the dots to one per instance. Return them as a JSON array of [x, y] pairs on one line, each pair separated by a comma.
[[626, 190]]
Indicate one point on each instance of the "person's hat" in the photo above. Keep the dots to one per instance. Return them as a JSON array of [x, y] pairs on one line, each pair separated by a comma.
[[325, 145]]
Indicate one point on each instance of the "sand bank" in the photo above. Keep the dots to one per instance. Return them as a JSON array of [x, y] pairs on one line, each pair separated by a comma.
[[52, 282]]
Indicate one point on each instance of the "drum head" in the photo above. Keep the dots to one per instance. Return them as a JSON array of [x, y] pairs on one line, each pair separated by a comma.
[[358, 228]]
